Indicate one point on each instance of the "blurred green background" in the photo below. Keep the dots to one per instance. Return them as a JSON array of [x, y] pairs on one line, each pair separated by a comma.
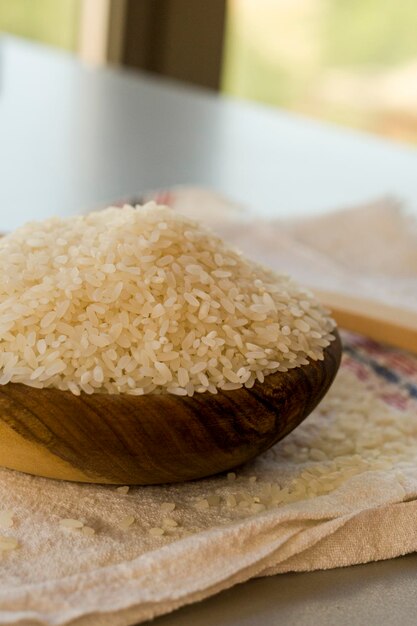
[[352, 62], [53, 22]]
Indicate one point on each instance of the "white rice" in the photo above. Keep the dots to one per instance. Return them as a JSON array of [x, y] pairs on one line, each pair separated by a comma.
[[6, 519], [143, 300], [70, 523], [126, 522], [8, 543], [169, 523], [167, 507]]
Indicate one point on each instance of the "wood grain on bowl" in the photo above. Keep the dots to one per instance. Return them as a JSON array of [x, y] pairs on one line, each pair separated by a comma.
[[125, 439]]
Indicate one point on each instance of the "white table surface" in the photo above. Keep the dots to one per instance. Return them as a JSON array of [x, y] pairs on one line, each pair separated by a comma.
[[75, 138]]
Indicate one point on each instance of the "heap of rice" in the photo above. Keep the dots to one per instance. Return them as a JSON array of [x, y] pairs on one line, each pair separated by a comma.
[[143, 300]]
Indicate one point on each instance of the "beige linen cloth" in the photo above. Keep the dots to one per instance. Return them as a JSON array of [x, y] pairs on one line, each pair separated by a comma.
[[339, 490]]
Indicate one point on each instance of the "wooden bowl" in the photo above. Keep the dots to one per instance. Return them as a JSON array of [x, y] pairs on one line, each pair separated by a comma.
[[124, 439]]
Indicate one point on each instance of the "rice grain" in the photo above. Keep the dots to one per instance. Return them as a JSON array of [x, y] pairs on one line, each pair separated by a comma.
[[144, 300]]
